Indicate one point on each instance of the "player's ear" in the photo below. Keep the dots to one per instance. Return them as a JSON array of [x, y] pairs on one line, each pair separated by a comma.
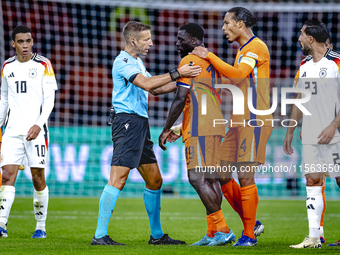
[[240, 23], [195, 41], [13, 44]]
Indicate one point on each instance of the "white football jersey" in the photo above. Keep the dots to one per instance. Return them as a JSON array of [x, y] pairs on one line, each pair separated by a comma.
[[322, 79], [25, 84]]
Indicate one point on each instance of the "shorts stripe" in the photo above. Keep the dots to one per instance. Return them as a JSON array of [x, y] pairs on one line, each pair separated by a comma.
[[257, 133], [201, 140], [46, 136], [198, 153], [252, 150], [194, 125], [252, 85]]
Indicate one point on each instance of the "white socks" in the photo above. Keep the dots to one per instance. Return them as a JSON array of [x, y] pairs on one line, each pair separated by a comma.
[[7, 194], [40, 204], [322, 234], [314, 204]]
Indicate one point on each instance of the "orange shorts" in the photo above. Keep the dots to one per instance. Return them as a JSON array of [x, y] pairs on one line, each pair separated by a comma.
[[246, 144], [202, 151]]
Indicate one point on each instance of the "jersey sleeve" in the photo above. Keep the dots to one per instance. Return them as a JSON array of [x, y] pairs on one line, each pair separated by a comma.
[[148, 74], [3, 99], [256, 54], [49, 80], [184, 81], [127, 69]]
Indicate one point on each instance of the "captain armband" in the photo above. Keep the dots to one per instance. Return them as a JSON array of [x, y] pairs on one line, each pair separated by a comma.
[[249, 61]]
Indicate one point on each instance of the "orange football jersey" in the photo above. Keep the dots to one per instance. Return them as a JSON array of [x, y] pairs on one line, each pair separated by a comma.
[[258, 80], [203, 104]]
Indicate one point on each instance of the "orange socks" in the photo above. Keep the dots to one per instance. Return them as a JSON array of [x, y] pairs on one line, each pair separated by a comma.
[[232, 193], [250, 200], [211, 227], [219, 222], [324, 206]]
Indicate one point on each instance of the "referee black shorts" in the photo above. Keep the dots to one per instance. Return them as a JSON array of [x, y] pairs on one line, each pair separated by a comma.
[[132, 145]]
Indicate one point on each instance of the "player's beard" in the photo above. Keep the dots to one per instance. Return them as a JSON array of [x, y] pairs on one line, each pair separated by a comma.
[[306, 52]]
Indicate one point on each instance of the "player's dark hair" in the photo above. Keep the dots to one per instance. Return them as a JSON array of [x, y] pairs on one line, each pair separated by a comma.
[[194, 30], [20, 29], [243, 14], [132, 28], [317, 29]]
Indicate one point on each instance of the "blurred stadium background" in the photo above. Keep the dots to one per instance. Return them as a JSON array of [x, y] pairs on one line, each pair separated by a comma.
[[82, 38]]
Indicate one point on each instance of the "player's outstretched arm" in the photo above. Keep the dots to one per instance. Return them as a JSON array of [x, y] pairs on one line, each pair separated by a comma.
[[149, 83], [328, 133], [170, 87], [175, 111], [240, 72]]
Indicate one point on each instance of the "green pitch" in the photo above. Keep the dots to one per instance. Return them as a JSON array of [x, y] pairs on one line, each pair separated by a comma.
[[71, 224]]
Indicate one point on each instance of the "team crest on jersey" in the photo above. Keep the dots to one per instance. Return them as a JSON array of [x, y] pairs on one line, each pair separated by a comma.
[[239, 59], [33, 73], [323, 72]]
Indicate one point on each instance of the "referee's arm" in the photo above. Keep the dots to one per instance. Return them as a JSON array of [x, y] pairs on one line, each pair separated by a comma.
[[149, 83]]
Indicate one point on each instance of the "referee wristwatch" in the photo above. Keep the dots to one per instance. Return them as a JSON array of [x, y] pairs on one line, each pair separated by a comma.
[[174, 74]]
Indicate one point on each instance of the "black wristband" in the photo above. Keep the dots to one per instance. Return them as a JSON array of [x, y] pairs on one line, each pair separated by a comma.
[[174, 74]]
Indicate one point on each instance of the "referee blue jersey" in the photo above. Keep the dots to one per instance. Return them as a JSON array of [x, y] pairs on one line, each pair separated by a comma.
[[127, 97]]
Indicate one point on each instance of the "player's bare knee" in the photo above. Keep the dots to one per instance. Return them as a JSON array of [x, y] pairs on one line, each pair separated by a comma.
[[224, 180], [338, 181], [314, 181], [38, 183], [154, 183], [244, 182], [196, 181], [8, 178]]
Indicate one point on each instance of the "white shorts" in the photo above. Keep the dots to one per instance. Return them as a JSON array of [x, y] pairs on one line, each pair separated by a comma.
[[322, 158], [14, 149]]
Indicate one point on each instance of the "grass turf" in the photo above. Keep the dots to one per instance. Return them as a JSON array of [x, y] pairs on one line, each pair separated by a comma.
[[71, 224]]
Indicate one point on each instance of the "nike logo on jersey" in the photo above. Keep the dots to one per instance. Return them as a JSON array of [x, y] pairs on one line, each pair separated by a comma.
[[126, 126], [304, 74], [241, 155], [42, 162], [11, 75]]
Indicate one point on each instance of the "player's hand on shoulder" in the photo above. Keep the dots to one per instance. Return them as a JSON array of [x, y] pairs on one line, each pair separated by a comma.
[[200, 51], [33, 132], [327, 135], [189, 71]]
